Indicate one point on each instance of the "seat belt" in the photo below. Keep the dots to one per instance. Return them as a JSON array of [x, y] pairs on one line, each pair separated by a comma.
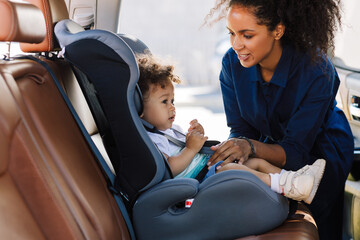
[[110, 177], [204, 150]]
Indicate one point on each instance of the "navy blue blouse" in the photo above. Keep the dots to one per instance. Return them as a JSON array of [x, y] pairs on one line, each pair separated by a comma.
[[296, 109]]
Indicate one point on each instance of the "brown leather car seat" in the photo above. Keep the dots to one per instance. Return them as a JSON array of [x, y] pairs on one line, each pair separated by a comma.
[[51, 185]]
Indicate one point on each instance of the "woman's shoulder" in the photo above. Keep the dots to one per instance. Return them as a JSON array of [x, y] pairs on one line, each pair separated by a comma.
[[322, 68], [318, 78]]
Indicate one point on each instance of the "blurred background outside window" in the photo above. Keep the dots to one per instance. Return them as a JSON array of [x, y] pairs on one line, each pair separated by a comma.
[[173, 30]]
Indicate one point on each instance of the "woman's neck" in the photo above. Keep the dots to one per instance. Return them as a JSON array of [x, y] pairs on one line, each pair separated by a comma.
[[268, 65]]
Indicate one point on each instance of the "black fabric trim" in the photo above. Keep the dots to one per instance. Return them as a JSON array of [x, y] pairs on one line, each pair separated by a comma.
[[109, 74]]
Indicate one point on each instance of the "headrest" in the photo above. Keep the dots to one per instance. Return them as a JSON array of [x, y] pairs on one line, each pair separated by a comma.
[[54, 11], [136, 45], [66, 33], [21, 22]]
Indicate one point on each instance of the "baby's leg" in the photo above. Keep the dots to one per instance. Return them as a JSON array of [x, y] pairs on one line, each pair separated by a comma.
[[264, 170], [261, 165], [264, 166], [235, 166]]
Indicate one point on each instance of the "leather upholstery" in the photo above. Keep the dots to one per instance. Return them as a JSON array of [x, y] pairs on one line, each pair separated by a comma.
[[21, 22], [54, 11], [14, 212], [51, 185], [48, 165]]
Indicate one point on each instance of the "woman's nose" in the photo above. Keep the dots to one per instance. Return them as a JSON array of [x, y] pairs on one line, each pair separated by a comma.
[[237, 44]]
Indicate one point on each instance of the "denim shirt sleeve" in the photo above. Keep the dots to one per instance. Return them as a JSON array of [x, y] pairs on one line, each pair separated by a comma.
[[238, 126]]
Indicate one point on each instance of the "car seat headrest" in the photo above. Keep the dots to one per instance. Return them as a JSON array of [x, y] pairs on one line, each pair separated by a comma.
[[21, 22], [53, 11], [138, 100], [138, 47]]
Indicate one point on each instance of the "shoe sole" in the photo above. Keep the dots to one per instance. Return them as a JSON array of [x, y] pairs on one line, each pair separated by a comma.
[[318, 176]]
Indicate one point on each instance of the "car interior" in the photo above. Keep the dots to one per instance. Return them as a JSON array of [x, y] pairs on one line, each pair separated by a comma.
[[348, 101], [64, 173]]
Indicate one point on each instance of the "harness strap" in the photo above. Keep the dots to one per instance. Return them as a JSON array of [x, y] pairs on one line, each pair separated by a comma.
[[204, 150]]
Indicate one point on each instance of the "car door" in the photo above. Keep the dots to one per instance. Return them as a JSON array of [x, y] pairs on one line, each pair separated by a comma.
[[347, 62]]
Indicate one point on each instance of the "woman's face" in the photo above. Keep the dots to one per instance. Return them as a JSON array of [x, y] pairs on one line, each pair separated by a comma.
[[253, 43]]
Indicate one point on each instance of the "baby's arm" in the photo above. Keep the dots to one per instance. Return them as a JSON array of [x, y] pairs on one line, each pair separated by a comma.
[[194, 142]]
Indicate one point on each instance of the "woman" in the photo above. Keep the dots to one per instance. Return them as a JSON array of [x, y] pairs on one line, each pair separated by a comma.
[[279, 92]]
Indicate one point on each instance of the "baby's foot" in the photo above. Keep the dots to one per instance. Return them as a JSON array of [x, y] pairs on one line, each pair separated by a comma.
[[303, 184]]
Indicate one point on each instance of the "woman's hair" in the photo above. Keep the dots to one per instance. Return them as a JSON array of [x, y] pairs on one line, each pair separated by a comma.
[[310, 25], [152, 71]]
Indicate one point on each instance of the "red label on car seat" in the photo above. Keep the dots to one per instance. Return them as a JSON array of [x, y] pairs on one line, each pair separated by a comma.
[[189, 202]]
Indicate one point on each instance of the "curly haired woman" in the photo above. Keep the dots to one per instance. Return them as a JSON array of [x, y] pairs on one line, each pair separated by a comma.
[[279, 92]]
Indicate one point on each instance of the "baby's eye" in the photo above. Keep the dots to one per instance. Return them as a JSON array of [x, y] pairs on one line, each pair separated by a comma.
[[231, 33], [164, 101], [172, 101]]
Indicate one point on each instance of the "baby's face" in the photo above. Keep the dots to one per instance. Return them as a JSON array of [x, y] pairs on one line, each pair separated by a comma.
[[159, 109]]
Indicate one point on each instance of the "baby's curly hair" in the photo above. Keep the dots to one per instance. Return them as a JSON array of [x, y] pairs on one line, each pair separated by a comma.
[[310, 25], [152, 71]]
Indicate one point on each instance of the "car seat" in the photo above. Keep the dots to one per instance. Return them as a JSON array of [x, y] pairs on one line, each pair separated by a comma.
[[51, 183], [225, 206]]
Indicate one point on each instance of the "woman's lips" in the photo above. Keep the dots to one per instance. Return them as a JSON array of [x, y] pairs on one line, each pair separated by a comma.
[[243, 57]]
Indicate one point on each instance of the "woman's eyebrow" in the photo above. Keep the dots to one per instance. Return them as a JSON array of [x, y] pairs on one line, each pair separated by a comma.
[[243, 30]]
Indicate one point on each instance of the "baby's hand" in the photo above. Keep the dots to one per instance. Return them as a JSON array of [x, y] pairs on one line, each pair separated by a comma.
[[194, 125], [195, 140]]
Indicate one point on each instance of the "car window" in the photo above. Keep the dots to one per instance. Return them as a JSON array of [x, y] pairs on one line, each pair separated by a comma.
[[173, 30], [347, 46], [4, 49]]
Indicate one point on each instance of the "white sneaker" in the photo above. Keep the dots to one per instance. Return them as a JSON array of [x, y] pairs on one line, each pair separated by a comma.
[[303, 184], [296, 186], [316, 170]]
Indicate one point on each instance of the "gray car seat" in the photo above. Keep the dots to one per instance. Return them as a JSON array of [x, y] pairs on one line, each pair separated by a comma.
[[227, 205]]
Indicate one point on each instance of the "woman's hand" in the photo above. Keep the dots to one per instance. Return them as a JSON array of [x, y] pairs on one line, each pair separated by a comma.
[[232, 150]]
